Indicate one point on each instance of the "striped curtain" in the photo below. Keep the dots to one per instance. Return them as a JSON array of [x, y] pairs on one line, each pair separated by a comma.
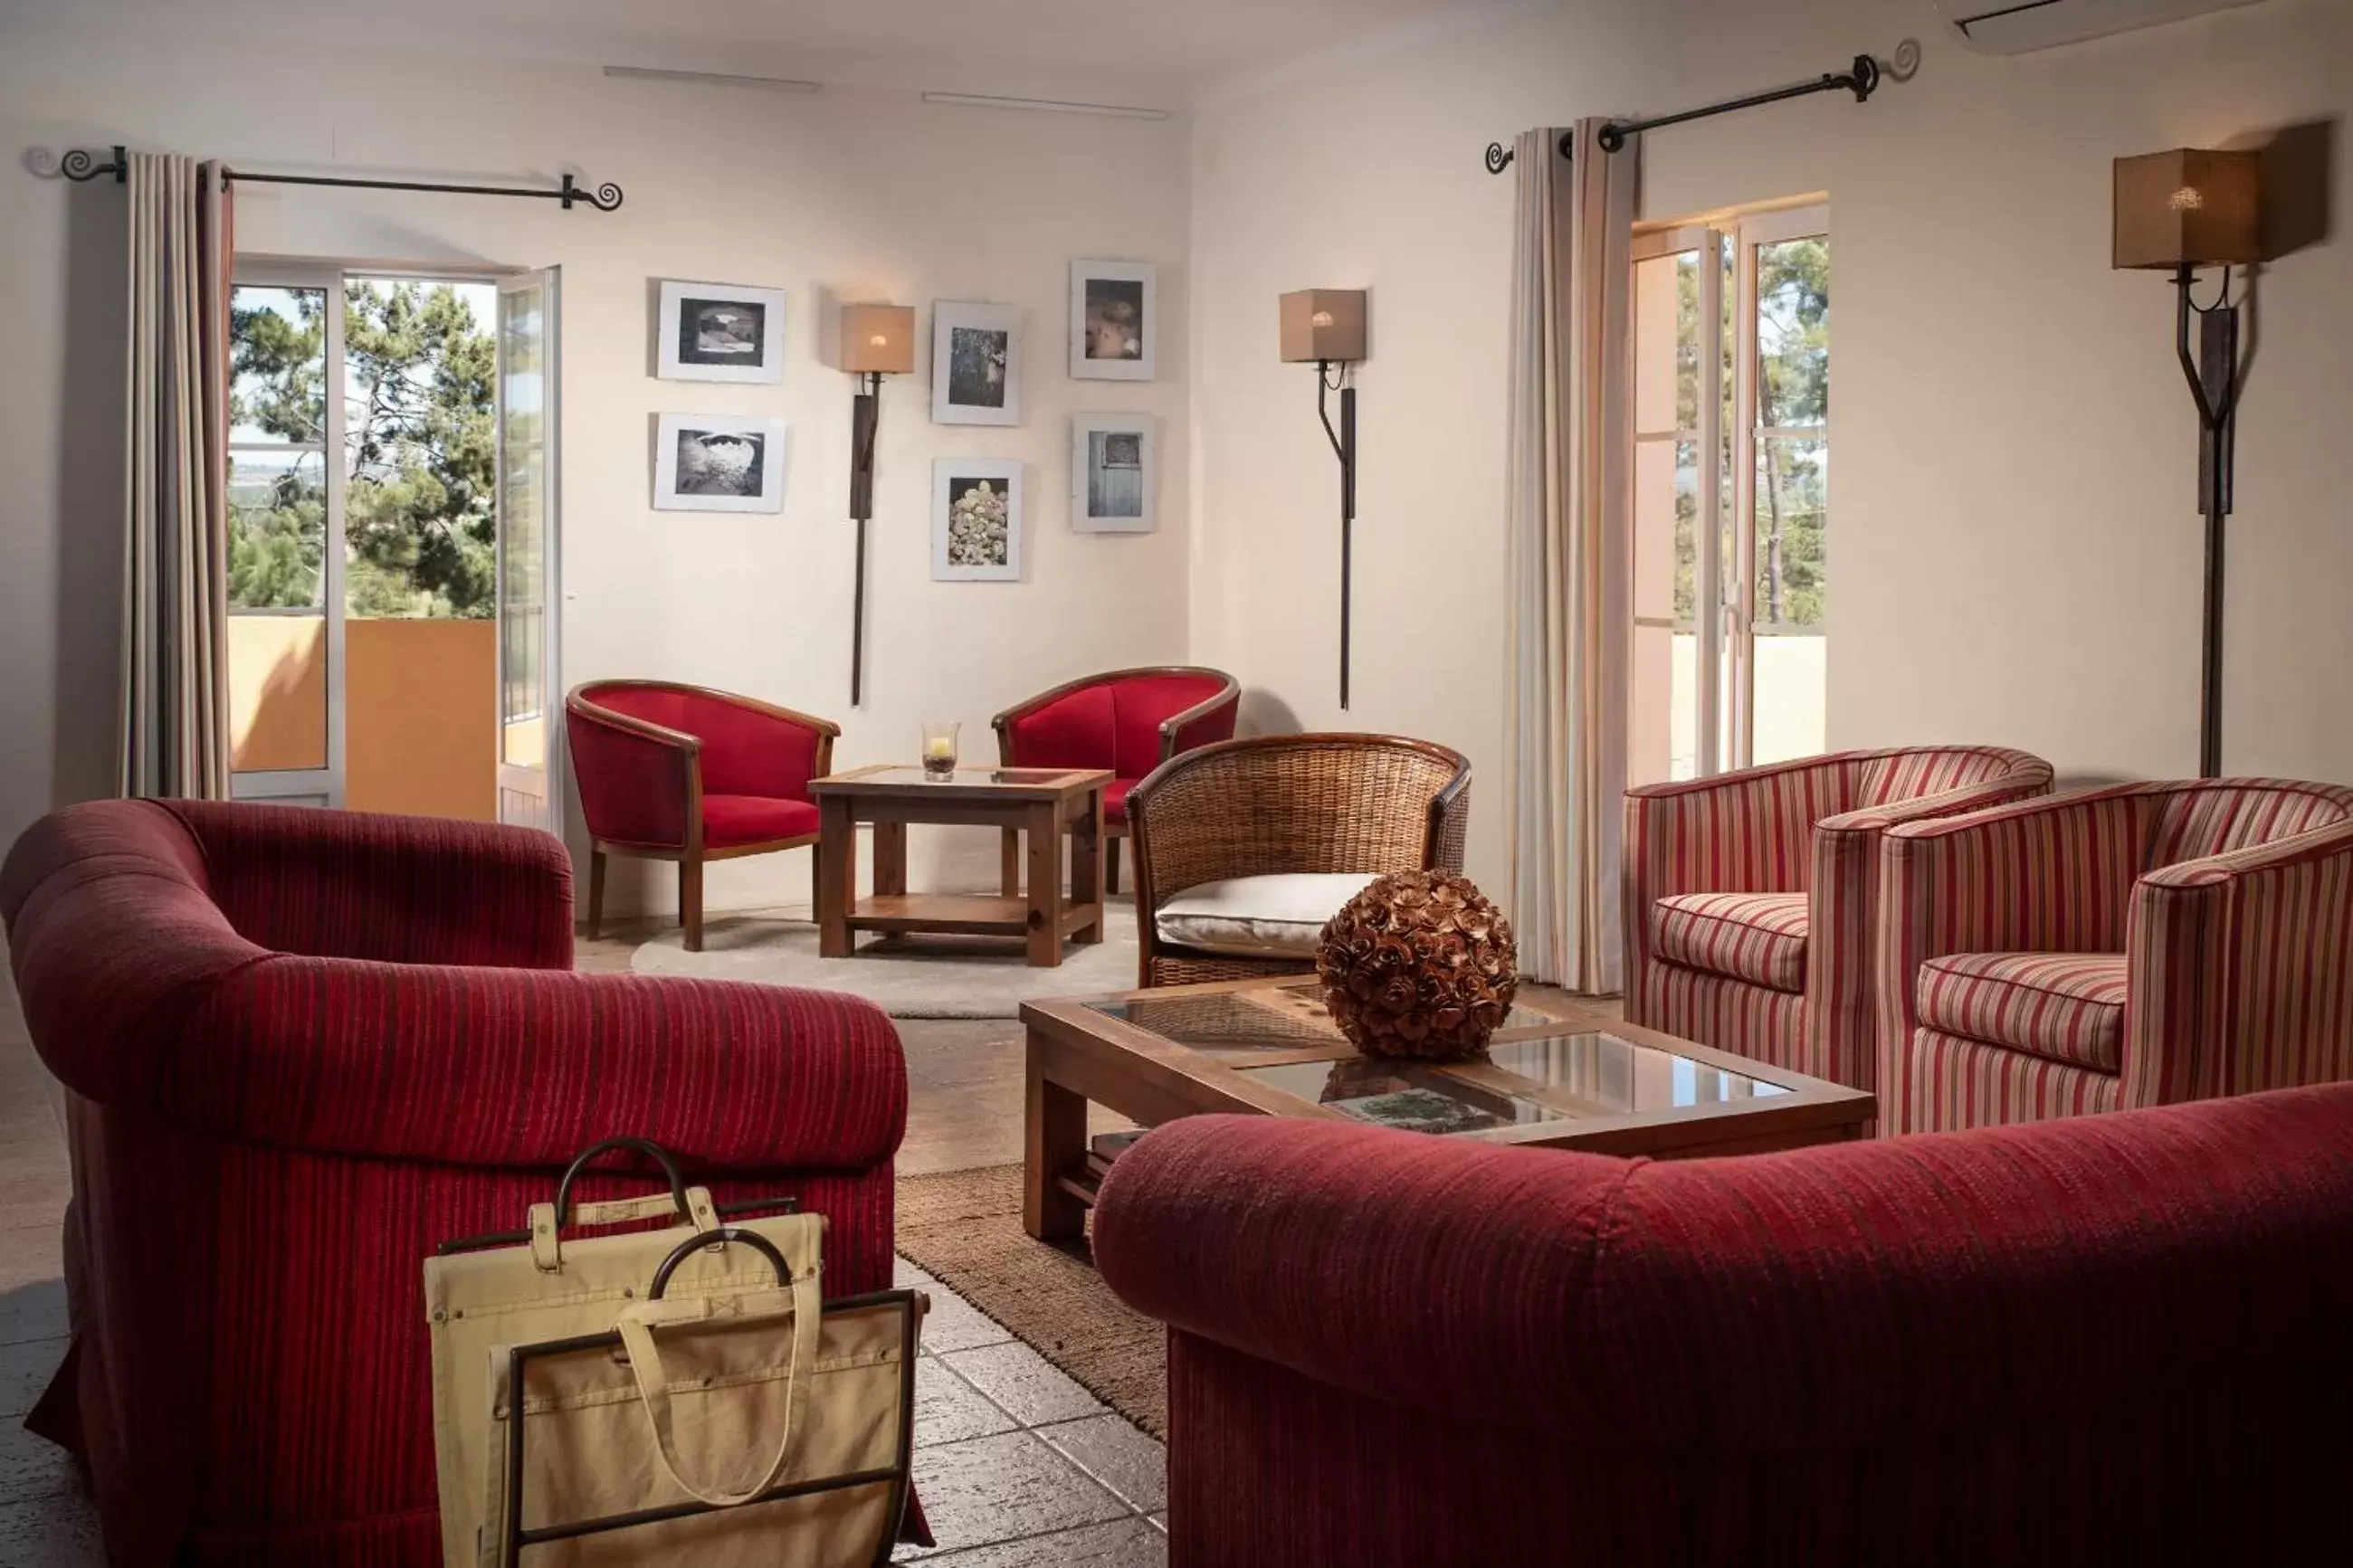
[[1570, 530], [172, 736]]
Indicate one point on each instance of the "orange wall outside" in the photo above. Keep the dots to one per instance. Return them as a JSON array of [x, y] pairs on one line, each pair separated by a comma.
[[276, 692], [421, 731]]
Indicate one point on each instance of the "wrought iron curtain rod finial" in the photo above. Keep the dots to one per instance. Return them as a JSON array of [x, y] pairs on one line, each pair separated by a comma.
[[1499, 157], [1865, 74], [80, 164]]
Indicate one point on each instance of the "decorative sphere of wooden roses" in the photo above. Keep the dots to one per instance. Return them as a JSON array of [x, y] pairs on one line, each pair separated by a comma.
[[1419, 964]]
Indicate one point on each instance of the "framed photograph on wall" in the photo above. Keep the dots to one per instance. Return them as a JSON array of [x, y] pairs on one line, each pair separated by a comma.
[[975, 521], [720, 331], [1115, 477], [975, 365], [718, 462], [1114, 320]]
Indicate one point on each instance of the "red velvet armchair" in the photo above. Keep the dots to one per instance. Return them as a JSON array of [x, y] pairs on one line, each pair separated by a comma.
[[686, 773], [300, 1049], [1130, 722], [2112, 1339]]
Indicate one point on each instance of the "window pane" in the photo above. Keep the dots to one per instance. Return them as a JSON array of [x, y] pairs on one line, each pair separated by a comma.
[[1792, 509], [277, 364], [1793, 334], [1665, 357], [419, 402], [277, 528]]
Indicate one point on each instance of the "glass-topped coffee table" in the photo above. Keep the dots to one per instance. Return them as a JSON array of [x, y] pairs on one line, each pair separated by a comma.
[[1562, 1075]]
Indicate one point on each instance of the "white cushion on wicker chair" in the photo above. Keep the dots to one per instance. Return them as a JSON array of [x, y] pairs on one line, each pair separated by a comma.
[[1278, 916]]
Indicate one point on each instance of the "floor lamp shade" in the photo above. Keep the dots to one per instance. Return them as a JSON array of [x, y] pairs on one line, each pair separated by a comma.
[[878, 339], [1323, 325], [2189, 208]]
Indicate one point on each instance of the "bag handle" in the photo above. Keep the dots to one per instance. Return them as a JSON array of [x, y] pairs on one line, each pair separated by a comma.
[[653, 1388], [652, 1150]]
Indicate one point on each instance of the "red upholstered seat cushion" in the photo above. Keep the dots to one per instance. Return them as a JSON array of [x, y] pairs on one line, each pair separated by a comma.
[[731, 819], [1116, 799], [2068, 1006], [1757, 936]]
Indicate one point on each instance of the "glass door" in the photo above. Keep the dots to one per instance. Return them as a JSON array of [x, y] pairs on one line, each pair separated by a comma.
[[286, 492], [1731, 494], [526, 565]]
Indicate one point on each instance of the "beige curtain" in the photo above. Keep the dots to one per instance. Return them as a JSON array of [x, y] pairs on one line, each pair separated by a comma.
[[1570, 530], [172, 736]]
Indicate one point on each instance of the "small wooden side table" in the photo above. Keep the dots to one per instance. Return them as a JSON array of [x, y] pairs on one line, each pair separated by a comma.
[[1045, 803]]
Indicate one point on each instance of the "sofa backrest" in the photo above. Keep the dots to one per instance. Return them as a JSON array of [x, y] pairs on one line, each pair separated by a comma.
[[745, 750], [1891, 778], [2192, 820]]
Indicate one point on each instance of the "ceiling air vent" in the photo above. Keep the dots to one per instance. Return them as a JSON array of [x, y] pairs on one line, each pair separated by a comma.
[[2021, 27]]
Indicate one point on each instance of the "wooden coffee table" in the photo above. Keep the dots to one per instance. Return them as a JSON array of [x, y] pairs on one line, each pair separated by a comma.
[[1044, 802], [1559, 1075]]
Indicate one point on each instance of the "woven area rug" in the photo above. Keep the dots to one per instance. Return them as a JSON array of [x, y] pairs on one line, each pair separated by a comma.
[[907, 977], [964, 1228]]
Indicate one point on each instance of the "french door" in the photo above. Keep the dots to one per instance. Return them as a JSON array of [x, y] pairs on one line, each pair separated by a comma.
[[529, 718], [1731, 493]]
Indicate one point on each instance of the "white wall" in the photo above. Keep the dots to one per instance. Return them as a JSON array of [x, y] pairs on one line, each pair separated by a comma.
[[2016, 542], [858, 194]]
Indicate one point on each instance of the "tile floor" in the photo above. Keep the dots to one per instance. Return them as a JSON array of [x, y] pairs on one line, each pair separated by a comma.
[[1017, 1465]]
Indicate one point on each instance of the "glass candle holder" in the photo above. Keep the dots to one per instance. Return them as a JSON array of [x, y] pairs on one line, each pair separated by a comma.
[[940, 750]]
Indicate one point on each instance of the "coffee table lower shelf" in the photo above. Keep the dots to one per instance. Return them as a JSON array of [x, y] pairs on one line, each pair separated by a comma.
[[958, 914]]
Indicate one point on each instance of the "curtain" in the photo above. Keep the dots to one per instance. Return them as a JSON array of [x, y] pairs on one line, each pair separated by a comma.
[[1570, 528], [173, 738]]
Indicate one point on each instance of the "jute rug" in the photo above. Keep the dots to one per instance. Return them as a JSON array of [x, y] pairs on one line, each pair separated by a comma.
[[907, 977], [964, 1228]]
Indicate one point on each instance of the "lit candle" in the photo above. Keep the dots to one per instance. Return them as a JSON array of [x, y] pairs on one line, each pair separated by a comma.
[[940, 749]]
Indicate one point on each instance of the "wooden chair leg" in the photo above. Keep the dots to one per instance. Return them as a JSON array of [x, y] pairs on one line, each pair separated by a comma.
[[1111, 862], [596, 892], [690, 902]]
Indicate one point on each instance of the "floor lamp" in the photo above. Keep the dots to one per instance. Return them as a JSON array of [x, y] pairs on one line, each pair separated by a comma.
[[1325, 328], [2177, 212], [876, 341]]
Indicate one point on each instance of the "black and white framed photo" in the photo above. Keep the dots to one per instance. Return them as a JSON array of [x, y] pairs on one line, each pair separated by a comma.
[[975, 365], [720, 331], [975, 521], [1114, 320], [1113, 475], [718, 462]]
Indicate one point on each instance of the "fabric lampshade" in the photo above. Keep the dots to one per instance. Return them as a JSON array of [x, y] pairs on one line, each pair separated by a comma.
[[878, 338], [1323, 325], [2189, 207]]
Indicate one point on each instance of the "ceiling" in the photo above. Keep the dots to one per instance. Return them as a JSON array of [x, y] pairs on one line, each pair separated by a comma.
[[1183, 44]]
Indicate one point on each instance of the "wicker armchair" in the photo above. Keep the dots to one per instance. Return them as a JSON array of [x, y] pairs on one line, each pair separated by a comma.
[[1282, 804]]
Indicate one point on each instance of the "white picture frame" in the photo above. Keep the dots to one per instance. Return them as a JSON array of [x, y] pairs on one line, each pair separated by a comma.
[[1114, 320], [975, 363], [719, 462], [1115, 473], [720, 331], [955, 480]]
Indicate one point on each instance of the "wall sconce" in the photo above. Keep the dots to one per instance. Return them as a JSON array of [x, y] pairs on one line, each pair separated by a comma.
[[1325, 328], [2179, 211], [876, 341]]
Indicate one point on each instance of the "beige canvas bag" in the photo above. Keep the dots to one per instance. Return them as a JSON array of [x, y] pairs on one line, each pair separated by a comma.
[[680, 1373]]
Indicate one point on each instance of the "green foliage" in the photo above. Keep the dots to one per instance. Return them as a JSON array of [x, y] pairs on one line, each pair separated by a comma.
[[419, 531], [1793, 390]]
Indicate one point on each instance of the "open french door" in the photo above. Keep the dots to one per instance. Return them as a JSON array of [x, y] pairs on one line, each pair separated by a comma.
[[529, 719]]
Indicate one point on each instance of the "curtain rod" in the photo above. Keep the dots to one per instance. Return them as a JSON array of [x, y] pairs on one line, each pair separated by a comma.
[[1861, 78], [80, 164]]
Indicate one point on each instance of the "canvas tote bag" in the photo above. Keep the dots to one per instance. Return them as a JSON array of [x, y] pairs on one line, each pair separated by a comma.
[[691, 1367]]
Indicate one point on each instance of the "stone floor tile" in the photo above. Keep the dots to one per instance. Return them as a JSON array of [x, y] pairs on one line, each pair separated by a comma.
[[54, 1533], [1116, 1454], [955, 1324], [24, 1370], [950, 1410], [1004, 1487], [1128, 1543], [34, 1467], [1024, 1384]]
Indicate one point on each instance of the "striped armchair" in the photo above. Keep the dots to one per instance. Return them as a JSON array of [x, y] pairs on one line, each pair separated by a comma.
[[2116, 948], [1748, 896]]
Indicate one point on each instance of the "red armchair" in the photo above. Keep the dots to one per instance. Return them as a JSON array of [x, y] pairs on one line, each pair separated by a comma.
[[1130, 722], [2112, 1340], [300, 1049], [1748, 897], [689, 774], [2114, 948]]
